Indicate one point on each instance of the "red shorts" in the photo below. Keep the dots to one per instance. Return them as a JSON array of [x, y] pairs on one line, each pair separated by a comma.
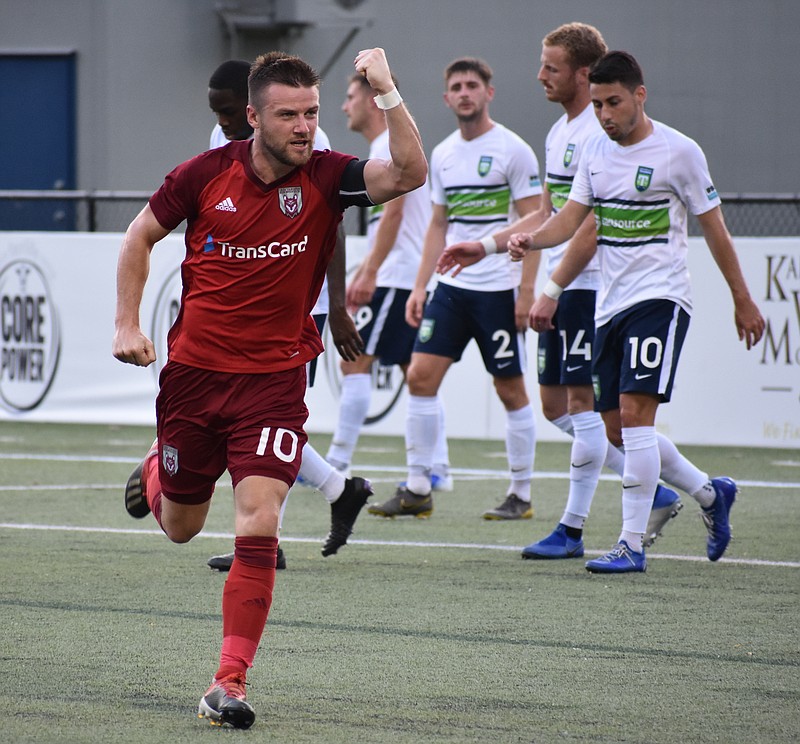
[[249, 424]]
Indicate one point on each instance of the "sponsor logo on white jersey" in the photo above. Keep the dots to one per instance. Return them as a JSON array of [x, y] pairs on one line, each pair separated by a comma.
[[226, 205]]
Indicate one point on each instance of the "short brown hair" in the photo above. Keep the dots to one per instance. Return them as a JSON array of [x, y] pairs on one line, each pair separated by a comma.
[[470, 64], [281, 68], [584, 43]]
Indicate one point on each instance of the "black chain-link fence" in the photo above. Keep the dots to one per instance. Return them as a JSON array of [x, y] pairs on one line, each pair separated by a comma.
[[758, 215], [82, 211]]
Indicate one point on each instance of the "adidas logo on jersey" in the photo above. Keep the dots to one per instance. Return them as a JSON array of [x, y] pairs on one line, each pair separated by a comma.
[[226, 205]]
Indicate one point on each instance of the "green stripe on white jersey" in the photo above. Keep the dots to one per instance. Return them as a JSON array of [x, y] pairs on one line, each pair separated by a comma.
[[640, 194], [478, 181], [564, 147]]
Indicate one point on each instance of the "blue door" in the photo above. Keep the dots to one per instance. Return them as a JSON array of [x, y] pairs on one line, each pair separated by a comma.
[[37, 145]]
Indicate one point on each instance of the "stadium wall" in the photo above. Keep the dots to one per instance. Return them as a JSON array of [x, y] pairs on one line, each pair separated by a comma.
[[56, 328], [724, 73]]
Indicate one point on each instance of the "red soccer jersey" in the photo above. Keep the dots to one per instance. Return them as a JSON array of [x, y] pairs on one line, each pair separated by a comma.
[[256, 257]]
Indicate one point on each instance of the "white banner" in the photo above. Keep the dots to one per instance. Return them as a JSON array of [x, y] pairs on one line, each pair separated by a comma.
[[57, 298]]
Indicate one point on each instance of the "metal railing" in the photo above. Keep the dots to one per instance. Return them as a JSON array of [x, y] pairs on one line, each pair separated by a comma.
[[758, 215]]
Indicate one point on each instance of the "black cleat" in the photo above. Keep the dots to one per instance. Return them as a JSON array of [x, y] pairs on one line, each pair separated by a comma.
[[344, 512], [225, 703], [135, 501], [223, 562]]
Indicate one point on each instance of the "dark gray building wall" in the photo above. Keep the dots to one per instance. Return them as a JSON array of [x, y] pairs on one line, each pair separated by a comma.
[[722, 72]]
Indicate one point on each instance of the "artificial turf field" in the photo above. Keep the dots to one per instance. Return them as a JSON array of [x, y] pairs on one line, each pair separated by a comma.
[[418, 631]]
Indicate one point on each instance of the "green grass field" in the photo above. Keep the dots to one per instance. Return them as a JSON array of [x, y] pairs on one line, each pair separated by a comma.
[[419, 631]]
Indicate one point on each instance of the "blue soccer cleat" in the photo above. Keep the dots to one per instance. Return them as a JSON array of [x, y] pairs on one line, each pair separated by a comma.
[[717, 517], [558, 544], [666, 505], [619, 560]]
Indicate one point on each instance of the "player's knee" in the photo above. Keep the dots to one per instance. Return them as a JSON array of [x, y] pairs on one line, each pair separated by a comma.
[[179, 533], [512, 392], [552, 411], [418, 381]]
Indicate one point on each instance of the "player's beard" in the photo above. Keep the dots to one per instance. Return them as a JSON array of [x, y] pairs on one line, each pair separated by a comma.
[[285, 155], [473, 115]]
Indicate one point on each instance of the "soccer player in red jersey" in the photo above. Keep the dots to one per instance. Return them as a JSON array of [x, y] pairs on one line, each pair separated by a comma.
[[261, 222]]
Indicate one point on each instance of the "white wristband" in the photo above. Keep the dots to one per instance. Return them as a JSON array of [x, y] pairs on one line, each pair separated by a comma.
[[489, 244], [388, 100], [552, 290]]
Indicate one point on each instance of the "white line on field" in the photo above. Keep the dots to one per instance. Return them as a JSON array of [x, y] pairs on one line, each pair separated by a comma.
[[463, 474], [381, 543]]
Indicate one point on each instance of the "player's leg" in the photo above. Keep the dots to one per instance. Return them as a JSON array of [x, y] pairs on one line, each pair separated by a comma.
[[644, 344], [520, 449], [502, 347], [246, 598], [353, 408], [440, 341], [565, 384], [441, 480], [176, 479], [263, 458], [386, 337], [425, 375]]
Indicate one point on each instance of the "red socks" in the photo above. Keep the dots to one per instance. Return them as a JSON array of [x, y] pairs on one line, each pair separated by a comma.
[[152, 483], [246, 600]]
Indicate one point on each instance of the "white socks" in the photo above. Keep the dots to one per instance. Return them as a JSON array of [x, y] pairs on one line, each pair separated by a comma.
[[422, 431], [353, 408], [317, 472], [520, 446], [586, 461], [678, 471], [639, 481]]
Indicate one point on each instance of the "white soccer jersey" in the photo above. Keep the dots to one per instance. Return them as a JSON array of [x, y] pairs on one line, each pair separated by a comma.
[[478, 181], [640, 195], [400, 267], [564, 147]]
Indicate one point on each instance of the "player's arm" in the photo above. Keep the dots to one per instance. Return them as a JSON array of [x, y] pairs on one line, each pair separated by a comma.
[[747, 316], [527, 222], [130, 345], [579, 252], [528, 207], [407, 168], [346, 337], [458, 255], [362, 288], [435, 237], [556, 230]]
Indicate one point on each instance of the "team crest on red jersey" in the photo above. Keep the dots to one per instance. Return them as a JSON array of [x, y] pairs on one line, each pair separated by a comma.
[[290, 199]]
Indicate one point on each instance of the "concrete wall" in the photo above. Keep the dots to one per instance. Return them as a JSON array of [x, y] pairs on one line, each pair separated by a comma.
[[725, 73]]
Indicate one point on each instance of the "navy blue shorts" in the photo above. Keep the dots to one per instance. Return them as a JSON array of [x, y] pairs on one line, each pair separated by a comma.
[[454, 316], [637, 351], [311, 373], [383, 328], [565, 353]]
